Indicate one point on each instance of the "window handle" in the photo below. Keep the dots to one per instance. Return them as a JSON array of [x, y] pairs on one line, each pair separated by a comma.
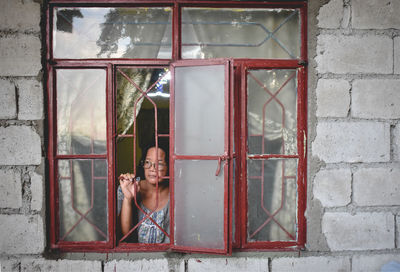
[[220, 159]]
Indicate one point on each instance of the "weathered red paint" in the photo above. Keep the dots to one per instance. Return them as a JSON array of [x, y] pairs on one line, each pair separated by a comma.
[[235, 128]]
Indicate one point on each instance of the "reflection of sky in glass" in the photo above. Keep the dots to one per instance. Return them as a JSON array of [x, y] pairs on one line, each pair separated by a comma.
[[85, 32], [81, 43]]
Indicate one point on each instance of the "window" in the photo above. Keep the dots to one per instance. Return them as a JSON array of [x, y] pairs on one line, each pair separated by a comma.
[[220, 86]]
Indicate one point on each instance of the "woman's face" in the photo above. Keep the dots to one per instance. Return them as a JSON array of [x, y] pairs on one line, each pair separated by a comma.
[[150, 166]]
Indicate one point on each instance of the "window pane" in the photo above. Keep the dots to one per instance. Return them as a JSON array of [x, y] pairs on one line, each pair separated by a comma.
[[272, 111], [81, 111], [112, 33], [240, 33], [199, 204], [83, 200], [199, 110], [272, 198], [134, 108]]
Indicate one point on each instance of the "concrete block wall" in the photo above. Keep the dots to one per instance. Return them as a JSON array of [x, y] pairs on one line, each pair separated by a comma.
[[353, 209], [22, 213], [354, 145]]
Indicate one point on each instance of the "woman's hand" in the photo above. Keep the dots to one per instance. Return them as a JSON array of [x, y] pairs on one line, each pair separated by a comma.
[[129, 185]]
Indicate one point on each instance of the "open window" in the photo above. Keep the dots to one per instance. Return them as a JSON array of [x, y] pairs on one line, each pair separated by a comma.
[[220, 86], [200, 153]]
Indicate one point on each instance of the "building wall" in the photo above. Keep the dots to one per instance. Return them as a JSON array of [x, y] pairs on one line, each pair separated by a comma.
[[353, 213]]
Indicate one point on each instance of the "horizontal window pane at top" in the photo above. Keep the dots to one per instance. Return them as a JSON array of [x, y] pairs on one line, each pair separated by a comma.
[[112, 33], [240, 33], [81, 111]]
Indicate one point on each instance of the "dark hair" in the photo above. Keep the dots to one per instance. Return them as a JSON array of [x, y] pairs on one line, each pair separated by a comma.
[[161, 145]]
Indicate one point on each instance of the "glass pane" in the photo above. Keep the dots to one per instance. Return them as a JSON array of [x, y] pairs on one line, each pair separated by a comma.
[[199, 204], [272, 198], [112, 33], [240, 33], [81, 111], [83, 200], [134, 108], [272, 112], [199, 110]]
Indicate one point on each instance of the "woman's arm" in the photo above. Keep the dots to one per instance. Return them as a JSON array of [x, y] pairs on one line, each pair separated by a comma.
[[129, 188], [126, 215]]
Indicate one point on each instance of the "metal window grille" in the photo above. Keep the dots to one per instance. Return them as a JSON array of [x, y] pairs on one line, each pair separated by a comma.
[[233, 162]]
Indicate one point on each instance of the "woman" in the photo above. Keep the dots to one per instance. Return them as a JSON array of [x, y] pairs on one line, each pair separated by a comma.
[[152, 195]]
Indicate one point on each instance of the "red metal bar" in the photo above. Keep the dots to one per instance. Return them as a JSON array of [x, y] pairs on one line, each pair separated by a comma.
[[176, 33], [244, 151], [172, 157], [99, 63], [272, 156], [83, 156], [274, 4]]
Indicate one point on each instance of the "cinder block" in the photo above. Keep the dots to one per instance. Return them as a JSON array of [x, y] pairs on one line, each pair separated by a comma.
[[333, 98], [21, 234], [396, 142], [362, 231], [375, 14], [397, 55], [20, 15], [398, 230], [354, 54], [37, 192], [10, 189], [20, 56], [378, 98], [228, 264], [377, 186], [19, 145], [373, 262], [9, 265], [364, 141], [311, 264], [333, 187], [8, 102], [137, 266], [331, 14], [30, 100], [33, 265]]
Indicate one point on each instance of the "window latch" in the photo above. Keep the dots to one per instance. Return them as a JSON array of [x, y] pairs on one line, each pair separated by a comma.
[[220, 159]]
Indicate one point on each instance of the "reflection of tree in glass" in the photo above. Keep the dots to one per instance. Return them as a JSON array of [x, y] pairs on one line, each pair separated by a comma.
[[139, 32], [65, 19]]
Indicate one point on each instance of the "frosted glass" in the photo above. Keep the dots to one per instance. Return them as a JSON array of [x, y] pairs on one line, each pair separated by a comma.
[[199, 204], [199, 110]]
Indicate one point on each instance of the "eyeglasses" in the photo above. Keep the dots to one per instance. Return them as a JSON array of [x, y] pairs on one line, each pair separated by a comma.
[[148, 164]]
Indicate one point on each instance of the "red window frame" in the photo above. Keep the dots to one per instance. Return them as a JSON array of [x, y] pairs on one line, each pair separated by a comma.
[[236, 125]]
